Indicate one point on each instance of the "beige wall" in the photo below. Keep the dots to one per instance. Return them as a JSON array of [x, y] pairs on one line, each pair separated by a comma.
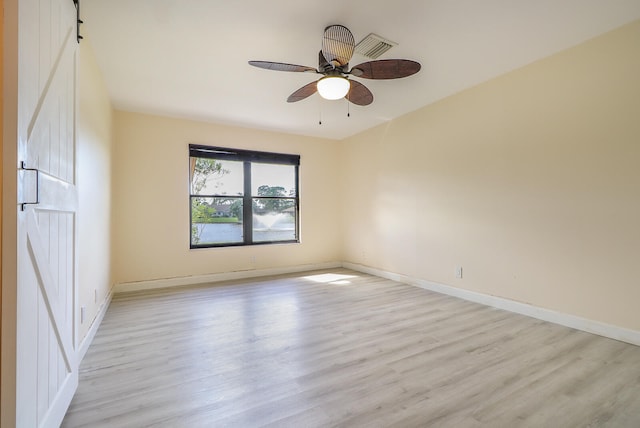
[[530, 182], [94, 186], [151, 204]]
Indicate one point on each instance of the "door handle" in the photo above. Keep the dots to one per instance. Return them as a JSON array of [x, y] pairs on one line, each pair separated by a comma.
[[23, 167]]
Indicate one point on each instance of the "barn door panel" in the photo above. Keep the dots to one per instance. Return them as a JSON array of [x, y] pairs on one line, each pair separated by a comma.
[[46, 343]]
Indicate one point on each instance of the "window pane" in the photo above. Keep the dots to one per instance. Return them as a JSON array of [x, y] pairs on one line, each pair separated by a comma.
[[216, 177], [273, 180], [222, 180], [216, 220], [274, 219]]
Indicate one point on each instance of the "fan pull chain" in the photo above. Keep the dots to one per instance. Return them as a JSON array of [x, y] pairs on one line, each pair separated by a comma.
[[319, 111], [348, 101]]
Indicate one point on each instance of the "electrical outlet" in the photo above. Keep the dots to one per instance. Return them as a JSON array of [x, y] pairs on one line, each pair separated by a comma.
[[459, 272]]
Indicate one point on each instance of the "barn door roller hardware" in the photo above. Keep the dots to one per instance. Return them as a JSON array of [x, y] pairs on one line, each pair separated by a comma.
[[23, 167], [79, 21]]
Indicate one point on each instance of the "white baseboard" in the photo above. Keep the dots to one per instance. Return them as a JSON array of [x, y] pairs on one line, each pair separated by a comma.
[[88, 338], [578, 323], [217, 277]]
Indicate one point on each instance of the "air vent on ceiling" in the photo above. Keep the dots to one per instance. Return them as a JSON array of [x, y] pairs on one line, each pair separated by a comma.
[[373, 46]]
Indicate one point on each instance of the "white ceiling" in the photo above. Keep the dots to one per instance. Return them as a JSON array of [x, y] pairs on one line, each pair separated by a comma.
[[188, 58]]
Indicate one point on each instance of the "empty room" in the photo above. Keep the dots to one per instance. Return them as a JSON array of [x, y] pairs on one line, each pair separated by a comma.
[[327, 214]]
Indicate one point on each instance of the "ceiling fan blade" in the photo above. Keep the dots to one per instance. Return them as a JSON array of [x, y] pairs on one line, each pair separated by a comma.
[[280, 66], [386, 69], [337, 45], [359, 94], [304, 92]]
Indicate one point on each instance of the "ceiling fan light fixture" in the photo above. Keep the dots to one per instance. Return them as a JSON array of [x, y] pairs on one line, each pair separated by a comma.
[[333, 87]]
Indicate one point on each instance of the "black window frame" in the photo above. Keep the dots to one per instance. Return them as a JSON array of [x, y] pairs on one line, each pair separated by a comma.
[[247, 157]]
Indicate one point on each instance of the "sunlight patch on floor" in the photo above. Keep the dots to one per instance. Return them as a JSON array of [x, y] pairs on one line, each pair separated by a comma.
[[331, 278]]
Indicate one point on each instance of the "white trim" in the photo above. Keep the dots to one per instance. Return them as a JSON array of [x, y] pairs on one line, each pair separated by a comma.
[[578, 323], [62, 401], [88, 338], [217, 277], [572, 321]]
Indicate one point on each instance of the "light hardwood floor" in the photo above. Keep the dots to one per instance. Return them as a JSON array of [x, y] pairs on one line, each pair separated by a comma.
[[340, 348]]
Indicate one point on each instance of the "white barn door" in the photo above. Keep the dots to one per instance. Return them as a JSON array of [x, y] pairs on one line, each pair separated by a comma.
[[47, 374]]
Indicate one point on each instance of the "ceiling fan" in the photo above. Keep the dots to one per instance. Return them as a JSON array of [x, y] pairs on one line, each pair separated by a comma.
[[337, 49]]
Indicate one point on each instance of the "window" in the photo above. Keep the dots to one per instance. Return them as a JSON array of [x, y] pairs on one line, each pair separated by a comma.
[[242, 197]]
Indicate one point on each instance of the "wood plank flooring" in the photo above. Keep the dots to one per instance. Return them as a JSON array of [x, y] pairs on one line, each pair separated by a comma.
[[345, 349]]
